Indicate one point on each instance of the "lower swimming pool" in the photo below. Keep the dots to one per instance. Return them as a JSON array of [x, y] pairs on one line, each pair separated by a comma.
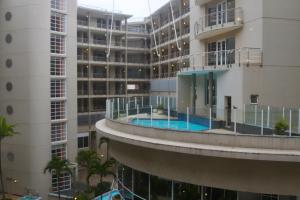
[[174, 124]]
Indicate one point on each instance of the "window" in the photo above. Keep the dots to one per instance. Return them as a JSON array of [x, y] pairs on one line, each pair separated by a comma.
[[58, 4], [57, 66], [83, 141], [58, 110], [57, 44], [58, 132], [59, 151], [57, 22], [254, 98], [63, 183], [57, 88]]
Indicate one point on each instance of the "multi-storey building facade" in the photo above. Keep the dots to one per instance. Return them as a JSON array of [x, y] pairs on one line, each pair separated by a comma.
[[136, 57], [125, 73], [242, 53], [171, 44], [38, 91], [235, 56]]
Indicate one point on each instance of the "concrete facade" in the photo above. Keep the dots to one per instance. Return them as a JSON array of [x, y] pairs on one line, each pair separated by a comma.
[[266, 54], [240, 163], [26, 64]]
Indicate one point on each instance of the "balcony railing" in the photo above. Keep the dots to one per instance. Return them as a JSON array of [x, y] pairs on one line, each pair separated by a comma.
[[99, 58], [82, 22], [243, 56], [99, 92], [218, 20], [185, 10], [82, 40], [82, 74], [82, 57], [99, 75]]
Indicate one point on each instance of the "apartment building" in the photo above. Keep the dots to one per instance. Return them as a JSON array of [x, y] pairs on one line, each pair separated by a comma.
[[124, 72], [242, 54], [38, 92]]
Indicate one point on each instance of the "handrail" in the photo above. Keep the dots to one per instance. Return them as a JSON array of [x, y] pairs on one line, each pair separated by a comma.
[[245, 55], [229, 15]]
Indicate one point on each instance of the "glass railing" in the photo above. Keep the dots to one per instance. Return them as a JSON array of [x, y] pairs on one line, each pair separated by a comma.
[[208, 22], [161, 112], [243, 56]]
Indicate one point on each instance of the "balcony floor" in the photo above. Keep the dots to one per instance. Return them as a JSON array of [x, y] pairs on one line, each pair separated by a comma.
[[212, 31]]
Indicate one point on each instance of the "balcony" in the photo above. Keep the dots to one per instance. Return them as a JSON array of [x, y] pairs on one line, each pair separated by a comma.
[[82, 40], [217, 23], [224, 60], [251, 159]]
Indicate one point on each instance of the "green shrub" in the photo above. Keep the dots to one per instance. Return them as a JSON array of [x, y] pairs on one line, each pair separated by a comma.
[[160, 107], [281, 126]]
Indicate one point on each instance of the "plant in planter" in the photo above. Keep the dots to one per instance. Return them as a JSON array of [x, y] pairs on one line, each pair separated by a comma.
[[160, 109], [281, 127]]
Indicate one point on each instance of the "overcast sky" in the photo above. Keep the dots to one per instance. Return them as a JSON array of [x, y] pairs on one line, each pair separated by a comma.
[[137, 8]]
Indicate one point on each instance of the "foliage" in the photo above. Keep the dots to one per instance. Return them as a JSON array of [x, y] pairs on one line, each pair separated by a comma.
[[160, 107], [84, 157], [95, 166], [6, 130], [281, 126], [102, 188], [82, 196], [57, 167]]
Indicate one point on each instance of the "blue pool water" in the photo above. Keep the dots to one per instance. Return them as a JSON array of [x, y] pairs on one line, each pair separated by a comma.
[[29, 198], [108, 195], [174, 124]]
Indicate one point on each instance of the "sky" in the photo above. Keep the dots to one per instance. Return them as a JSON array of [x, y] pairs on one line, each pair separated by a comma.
[[137, 8]]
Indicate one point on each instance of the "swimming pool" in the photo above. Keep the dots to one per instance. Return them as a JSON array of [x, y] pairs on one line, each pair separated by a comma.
[[28, 197], [174, 124]]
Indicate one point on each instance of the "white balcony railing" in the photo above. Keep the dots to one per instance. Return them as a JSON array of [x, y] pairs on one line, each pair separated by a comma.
[[244, 56], [227, 18]]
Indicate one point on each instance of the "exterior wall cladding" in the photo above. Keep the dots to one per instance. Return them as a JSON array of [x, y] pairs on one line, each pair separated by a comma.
[[133, 59], [38, 59]]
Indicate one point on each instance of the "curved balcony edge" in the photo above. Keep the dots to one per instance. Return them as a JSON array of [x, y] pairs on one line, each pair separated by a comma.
[[247, 147]]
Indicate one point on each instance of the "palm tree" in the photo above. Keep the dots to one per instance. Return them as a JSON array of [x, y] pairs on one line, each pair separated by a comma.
[[6, 130], [57, 167], [101, 169], [84, 159]]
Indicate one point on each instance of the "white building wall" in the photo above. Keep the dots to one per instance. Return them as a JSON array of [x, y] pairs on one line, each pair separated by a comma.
[[29, 98], [26, 154]]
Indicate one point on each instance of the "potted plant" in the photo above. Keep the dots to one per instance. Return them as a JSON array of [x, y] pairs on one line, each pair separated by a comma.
[[160, 109], [281, 127]]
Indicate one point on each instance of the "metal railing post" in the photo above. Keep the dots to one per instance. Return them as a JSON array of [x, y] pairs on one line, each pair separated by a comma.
[[290, 124], [255, 115], [262, 122], [268, 117], [299, 121], [151, 114], [187, 117], [210, 116], [244, 113], [234, 118], [127, 110], [118, 101]]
